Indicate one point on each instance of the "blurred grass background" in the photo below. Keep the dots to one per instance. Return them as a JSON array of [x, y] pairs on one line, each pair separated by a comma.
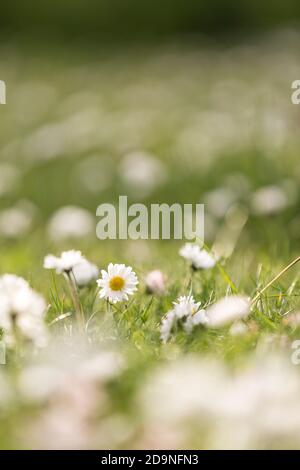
[[199, 92], [132, 18]]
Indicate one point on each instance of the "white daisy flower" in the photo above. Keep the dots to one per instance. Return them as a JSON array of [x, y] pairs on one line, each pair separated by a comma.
[[185, 310], [185, 306], [85, 272], [117, 283], [67, 261], [197, 258], [22, 310], [155, 282], [228, 310], [66, 264], [199, 318]]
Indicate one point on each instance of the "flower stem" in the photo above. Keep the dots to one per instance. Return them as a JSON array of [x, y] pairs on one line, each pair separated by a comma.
[[76, 302], [287, 268]]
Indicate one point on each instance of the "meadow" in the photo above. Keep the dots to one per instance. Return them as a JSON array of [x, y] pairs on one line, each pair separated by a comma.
[[180, 122]]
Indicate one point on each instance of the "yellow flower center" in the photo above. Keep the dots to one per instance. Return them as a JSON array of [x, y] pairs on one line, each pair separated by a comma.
[[116, 283]]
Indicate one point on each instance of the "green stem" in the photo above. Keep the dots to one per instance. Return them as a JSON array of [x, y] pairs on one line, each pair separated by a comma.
[[76, 302]]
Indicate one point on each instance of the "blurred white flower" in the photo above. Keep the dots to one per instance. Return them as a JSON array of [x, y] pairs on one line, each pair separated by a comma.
[[69, 385], [17, 221], [117, 283], [142, 172], [186, 311], [102, 367], [77, 132], [138, 251], [155, 282], [22, 310], [269, 200], [93, 174], [40, 381], [260, 402], [219, 200], [70, 222], [167, 324], [197, 258], [85, 272], [184, 389], [272, 342], [67, 261], [198, 318], [238, 329], [293, 319], [227, 310]]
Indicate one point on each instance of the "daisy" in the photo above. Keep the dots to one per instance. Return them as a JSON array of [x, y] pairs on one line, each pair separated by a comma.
[[22, 310], [187, 312], [155, 282], [67, 261], [199, 318], [85, 272], [197, 258], [66, 264], [186, 306], [117, 283]]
